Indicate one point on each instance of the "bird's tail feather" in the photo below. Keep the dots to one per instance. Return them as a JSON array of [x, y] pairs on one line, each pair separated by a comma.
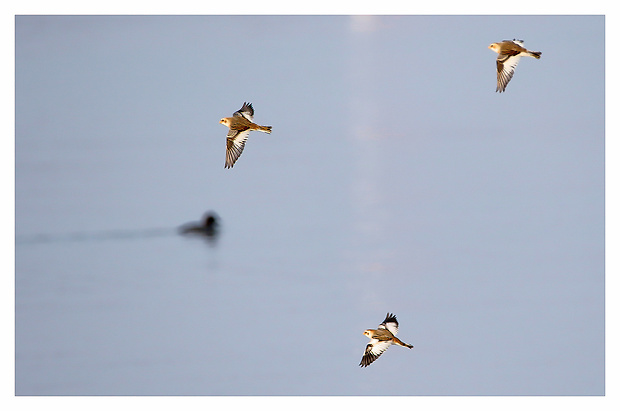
[[264, 129], [535, 54], [404, 344]]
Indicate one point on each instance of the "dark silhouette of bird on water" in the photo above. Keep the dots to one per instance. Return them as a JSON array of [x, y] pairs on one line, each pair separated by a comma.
[[209, 227]]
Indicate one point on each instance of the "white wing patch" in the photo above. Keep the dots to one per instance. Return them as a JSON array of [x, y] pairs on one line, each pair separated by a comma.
[[518, 42], [392, 327], [374, 350], [247, 115], [378, 347]]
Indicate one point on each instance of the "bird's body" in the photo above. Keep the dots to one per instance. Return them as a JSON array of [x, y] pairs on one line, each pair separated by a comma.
[[209, 228], [509, 52], [381, 339], [240, 125]]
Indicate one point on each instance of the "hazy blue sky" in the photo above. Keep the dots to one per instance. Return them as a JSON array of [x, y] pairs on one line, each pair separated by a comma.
[[395, 179]]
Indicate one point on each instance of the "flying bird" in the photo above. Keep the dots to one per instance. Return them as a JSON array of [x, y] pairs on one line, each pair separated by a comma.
[[509, 53], [381, 339], [240, 125]]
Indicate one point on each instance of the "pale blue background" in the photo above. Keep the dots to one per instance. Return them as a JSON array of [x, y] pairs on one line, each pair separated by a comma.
[[395, 179]]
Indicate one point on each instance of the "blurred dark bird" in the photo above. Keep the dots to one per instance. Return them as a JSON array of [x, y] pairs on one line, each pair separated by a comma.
[[209, 227], [240, 125], [381, 339], [509, 52]]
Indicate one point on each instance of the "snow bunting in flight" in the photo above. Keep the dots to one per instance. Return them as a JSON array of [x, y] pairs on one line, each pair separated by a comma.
[[240, 125], [509, 53], [381, 339]]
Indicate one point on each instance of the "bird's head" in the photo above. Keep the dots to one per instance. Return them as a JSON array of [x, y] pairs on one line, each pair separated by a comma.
[[494, 47], [225, 121], [367, 333]]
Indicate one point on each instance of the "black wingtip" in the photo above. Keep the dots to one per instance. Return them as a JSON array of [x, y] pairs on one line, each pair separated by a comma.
[[390, 317]]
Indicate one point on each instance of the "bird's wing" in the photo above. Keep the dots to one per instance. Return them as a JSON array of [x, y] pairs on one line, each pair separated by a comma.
[[506, 65], [390, 323], [246, 111], [235, 141], [373, 351], [518, 42]]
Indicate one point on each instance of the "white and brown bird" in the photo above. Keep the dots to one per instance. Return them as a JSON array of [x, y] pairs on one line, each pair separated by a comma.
[[240, 125], [381, 339], [509, 53]]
